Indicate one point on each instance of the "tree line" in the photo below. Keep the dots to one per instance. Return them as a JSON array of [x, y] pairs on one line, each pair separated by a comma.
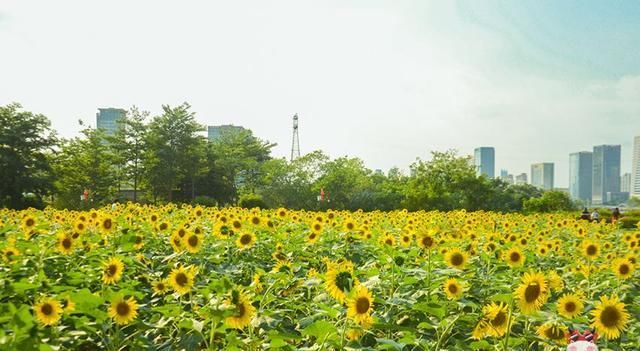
[[165, 158]]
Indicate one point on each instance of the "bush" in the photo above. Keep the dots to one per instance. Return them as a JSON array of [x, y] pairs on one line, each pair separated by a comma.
[[252, 201], [206, 201], [629, 222]]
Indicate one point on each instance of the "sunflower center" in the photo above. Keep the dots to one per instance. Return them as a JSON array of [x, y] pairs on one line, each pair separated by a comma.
[[532, 292], [160, 286], [237, 224], [241, 310], [610, 317], [317, 227], [570, 306], [457, 259], [30, 222], [46, 309], [112, 270], [624, 269], [138, 239], [554, 333], [107, 224], [514, 257], [343, 281], [350, 226], [245, 239], [452, 288], [427, 241], [193, 240], [182, 279], [592, 250], [255, 220], [123, 308], [499, 319], [163, 226], [388, 242], [362, 305], [312, 236], [66, 243]]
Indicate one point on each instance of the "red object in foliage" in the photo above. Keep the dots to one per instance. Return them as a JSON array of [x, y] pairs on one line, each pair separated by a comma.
[[86, 194], [321, 194]]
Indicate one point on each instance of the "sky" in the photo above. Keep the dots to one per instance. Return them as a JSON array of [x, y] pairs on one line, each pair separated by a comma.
[[386, 81]]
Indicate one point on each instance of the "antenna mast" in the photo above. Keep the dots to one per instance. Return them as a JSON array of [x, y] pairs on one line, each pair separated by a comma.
[[295, 143]]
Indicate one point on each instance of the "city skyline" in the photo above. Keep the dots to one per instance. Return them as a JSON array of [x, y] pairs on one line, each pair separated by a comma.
[[385, 83]]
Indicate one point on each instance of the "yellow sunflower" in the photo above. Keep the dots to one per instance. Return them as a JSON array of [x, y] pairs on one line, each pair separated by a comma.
[[495, 321], [456, 258], [360, 306], [48, 311], [570, 305], [622, 268], [388, 240], [553, 332], [610, 317], [123, 311], [590, 249], [340, 280], [65, 243], [181, 279], [245, 241], [160, 287], [532, 293], [514, 257], [112, 270], [193, 242], [9, 253], [106, 224], [453, 289], [555, 281], [68, 305], [176, 242], [312, 237], [244, 311]]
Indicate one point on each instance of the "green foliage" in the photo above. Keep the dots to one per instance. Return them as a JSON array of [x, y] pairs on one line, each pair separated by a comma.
[[26, 140], [550, 201], [252, 201]]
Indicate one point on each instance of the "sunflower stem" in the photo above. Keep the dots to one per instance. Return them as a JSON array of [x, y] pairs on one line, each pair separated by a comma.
[[509, 321]]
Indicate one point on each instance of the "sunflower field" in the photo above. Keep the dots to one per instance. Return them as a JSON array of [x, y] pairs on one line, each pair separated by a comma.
[[136, 277]]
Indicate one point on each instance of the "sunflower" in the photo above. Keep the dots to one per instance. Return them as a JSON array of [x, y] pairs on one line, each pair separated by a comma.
[[123, 311], [555, 281], [553, 332], [340, 279], [316, 227], [9, 253], [610, 317], [176, 242], [244, 311], [257, 283], [160, 287], [283, 266], [112, 270], [48, 311], [68, 305], [106, 224], [388, 240], [453, 289], [181, 279], [139, 243], [193, 242], [532, 292], [28, 223], [456, 258], [65, 243], [245, 241], [360, 306], [80, 226], [349, 225], [495, 321], [312, 237], [622, 268], [514, 257], [406, 239], [570, 305], [590, 249]]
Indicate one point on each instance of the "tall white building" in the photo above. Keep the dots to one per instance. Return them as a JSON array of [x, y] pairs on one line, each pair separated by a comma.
[[542, 175], [635, 172]]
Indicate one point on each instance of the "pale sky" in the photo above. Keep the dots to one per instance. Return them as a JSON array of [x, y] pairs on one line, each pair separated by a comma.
[[387, 81]]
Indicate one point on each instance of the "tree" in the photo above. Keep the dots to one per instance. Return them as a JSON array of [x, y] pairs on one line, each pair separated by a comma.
[[173, 151], [85, 164], [26, 140], [345, 181], [128, 145], [550, 201]]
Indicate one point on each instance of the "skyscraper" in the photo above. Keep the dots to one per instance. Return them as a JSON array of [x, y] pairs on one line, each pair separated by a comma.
[[635, 171], [580, 173], [521, 179], [542, 175], [107, 119], [606, 173], [215, 132], [485, 161], [625, 183]]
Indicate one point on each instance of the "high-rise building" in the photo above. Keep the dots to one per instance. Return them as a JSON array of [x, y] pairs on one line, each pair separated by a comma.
[[606, 173], [485, 161], [625, 183], [542, 175], [635, 171], [215, 132], [580, 173], [521, 179], [504, 173], [107, 119]]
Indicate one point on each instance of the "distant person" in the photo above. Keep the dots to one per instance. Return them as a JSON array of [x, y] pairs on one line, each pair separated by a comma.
[[615, 215], [595, 216], [585, 215]]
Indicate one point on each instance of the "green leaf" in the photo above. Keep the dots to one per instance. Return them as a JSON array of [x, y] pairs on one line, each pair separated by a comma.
[[319, 329]]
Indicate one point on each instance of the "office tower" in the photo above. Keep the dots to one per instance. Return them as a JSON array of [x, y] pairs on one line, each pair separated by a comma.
[[606, 173], [521, 179], [107, 119], [625, 183], [635, 170], [504, 173], [542, 175], [485, 161], [215, 132], [580, 173]]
